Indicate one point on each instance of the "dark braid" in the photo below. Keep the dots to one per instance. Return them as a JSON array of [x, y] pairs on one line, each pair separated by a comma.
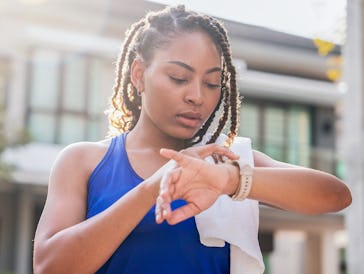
[[121, 112], [222, 121], [207, 124], [155, 31], [232, 102], [228, 79]]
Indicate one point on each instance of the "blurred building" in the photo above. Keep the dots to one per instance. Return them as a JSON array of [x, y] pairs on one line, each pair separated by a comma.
[[57, 69], [352, 136]]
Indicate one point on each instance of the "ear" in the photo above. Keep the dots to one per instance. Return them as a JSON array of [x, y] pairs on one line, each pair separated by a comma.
[[137, 74]]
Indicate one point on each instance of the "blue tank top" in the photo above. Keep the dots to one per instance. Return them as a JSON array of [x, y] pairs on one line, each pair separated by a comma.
[[150, 248]]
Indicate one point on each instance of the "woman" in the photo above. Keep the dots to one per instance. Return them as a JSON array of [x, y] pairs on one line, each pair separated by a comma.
[[174, 76]]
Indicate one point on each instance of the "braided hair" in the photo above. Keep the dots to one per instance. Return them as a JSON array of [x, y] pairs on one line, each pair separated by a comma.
[[154, 31]]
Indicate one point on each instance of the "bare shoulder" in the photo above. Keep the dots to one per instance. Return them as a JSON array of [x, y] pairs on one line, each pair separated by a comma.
[[66, 202], [81, 157]]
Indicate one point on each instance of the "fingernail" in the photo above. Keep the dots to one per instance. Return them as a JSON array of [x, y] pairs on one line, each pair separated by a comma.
[[164, 213]]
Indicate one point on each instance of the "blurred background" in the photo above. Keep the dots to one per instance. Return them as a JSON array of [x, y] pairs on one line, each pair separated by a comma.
[[300, 72]]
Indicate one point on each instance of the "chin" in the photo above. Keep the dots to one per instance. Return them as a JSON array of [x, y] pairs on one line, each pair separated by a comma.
[[185, 134]]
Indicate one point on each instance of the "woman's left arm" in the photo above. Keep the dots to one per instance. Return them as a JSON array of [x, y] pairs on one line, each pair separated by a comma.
[[297, 189], [278, 184]]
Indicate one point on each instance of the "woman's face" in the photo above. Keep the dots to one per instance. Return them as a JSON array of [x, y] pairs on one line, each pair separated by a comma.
[[181, 85]]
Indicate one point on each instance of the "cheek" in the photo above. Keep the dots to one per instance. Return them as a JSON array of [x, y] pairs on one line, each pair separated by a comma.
[[158, 95], [214, 99], [157, 90], [155, 82]]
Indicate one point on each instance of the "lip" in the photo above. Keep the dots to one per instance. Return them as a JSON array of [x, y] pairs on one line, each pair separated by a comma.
[[192, 119]]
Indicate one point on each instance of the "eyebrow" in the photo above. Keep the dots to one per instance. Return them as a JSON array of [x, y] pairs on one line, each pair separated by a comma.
[[188, 67]]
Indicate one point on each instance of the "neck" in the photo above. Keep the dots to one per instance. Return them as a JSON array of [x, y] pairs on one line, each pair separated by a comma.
[[143, 137]]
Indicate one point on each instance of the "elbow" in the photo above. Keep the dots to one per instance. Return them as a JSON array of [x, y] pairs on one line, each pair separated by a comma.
[[41, 265], [39, 269], [46, 267], [45, 263], [333, 200], [37, 262]]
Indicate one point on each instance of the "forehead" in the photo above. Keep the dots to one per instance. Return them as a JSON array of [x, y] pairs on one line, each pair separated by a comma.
[[193, 48]]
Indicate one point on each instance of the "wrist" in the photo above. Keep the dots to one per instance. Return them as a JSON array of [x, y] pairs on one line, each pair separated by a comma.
[[151, 187], [232, 179], [245, 180]]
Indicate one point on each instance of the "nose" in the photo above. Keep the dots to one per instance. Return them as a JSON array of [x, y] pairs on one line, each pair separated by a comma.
[[194, 95]]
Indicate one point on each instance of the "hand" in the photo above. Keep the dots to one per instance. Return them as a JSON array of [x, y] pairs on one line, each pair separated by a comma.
[[218, 153], [196, 181]]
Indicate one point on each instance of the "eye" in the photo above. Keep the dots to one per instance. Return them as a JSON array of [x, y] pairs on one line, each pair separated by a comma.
[[177, 80], [212, 86]]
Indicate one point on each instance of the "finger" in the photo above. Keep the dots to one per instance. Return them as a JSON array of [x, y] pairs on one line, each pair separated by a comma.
[[167, 189], [182, 213], [180, 158], [162, 207], [218, 158], [167, 185], [164, 200], [214, 156], [162, 210], [211, 149], [158, 211]]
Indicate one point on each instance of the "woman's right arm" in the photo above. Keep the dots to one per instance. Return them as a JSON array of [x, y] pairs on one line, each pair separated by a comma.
[[67, 243]]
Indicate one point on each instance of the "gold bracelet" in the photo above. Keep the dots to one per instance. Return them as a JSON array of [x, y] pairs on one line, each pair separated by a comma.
[[245, 182]]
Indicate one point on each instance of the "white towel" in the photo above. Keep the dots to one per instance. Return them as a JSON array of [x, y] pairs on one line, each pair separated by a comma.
[[235, 222]]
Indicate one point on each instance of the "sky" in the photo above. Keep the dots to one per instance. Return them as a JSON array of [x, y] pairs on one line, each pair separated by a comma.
[[324, 19]]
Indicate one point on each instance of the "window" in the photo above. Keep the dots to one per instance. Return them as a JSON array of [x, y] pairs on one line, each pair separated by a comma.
[[249, 123], [283, 131], [299, 135], [274, 128], [4, 76], [67, 96]]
